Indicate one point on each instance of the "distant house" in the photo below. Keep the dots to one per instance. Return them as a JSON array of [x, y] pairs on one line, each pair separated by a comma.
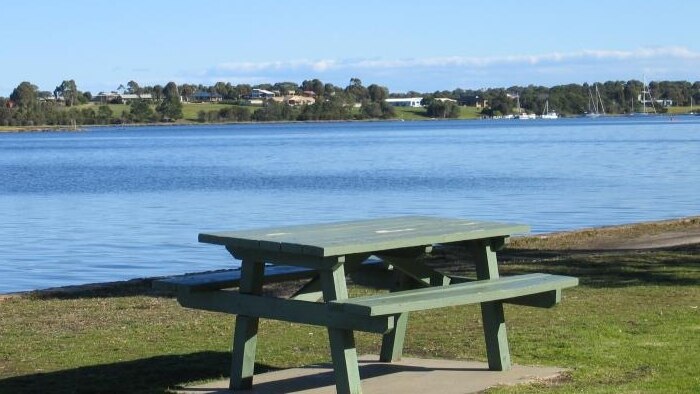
[[445, 100], [661, 102], [129, 97], [50, 99], [414, 102], [301, 100], [202, 97], [105, 97], [295, 100], [474, 101], [108, 97], [261, 94]]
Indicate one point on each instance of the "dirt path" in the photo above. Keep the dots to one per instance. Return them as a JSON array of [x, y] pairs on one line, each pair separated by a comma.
[[649, 235]]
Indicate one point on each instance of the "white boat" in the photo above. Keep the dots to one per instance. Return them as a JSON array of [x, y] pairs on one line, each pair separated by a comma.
[[547, 114], [521, 113], [595, 104], [646, 97], [525, 115]]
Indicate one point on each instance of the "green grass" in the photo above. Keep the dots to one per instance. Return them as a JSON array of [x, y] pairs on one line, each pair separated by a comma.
[[190, 110], [409, 113], [631, 326], [683, 110]]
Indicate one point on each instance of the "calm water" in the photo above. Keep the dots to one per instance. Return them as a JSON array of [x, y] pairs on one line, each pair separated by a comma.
[[119, 203]]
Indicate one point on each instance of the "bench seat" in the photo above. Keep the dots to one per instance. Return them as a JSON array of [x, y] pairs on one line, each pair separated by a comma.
[[207, 281], [543, 290], [226, 279]]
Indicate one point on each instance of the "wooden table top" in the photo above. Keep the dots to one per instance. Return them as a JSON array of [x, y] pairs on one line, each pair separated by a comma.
[[362, 236]]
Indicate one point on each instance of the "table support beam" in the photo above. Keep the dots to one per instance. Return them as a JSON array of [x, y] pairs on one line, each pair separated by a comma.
[[245, 335], [343, 351], [392, 342], [495, 334]]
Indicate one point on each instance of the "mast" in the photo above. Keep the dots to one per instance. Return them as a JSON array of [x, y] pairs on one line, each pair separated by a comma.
[[602, 108], [592, 103], [647, 93]]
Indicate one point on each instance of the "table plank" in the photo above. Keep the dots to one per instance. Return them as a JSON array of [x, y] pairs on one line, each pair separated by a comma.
[[360, 236]]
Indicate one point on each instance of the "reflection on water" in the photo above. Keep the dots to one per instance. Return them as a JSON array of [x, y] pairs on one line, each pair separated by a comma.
[[119, 203]]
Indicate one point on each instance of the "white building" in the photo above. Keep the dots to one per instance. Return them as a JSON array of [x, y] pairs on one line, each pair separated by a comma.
[[405, 102], [106, 97], [261, 94]]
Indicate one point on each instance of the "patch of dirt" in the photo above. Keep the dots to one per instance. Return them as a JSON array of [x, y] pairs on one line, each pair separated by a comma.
[[648, 235], [640, 236]]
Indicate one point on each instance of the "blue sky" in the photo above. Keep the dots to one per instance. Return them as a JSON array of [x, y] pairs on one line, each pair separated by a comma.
[[404, 45]]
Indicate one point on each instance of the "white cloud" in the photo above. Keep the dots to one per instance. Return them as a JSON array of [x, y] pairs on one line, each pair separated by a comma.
[[449, 72], [457, 61]]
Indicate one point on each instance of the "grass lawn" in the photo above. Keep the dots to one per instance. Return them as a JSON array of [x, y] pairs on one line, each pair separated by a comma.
[[190, 110], [631, 326], [683, 110], [409, 113]]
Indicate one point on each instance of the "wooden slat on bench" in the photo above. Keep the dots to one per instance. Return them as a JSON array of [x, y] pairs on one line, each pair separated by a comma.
[[229, 278], [504, 288]]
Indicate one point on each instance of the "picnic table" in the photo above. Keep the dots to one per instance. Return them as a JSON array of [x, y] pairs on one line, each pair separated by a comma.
[[379, 250]]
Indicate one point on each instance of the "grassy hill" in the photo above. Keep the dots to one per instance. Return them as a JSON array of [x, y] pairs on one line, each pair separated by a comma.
[[409, 113]]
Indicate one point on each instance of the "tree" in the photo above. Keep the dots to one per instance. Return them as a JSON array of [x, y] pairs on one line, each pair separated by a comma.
[[140, 111], [222, 89], [104, 114], [442, 109], [157, 92], [25, 95], [171, 106], [314, 85], [187, 91], [500, 104], [377, 93], [170, 90], [68, 90], [356, 90], [273, 111], [286, 88], [133, 87]]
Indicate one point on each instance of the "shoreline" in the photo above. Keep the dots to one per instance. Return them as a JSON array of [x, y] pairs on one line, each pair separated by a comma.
[[642, 236], [63, 128], [81, 128]]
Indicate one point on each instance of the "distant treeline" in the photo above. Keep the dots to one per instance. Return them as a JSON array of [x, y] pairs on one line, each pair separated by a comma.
[[27, 105], [618, 97]]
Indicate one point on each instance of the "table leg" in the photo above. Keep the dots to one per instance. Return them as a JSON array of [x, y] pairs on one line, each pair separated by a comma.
[[245, 335], [392, 342], [343, 352], [492, 312]]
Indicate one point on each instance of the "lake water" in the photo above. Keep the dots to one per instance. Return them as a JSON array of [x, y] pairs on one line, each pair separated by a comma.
[[119, 203]]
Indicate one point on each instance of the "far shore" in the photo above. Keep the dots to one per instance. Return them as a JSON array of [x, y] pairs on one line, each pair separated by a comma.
[[189, 122], [642, 236], [35, 129]]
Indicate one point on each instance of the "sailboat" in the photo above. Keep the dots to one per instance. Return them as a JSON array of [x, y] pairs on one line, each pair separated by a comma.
[[645, 97], [521, 113], [547, 114], [595, 103]]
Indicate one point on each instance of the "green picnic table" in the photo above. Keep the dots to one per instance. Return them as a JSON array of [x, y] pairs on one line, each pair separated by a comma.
[[327, 253]]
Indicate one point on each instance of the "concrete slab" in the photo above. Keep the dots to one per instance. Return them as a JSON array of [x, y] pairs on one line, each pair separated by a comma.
[[410, 375]]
